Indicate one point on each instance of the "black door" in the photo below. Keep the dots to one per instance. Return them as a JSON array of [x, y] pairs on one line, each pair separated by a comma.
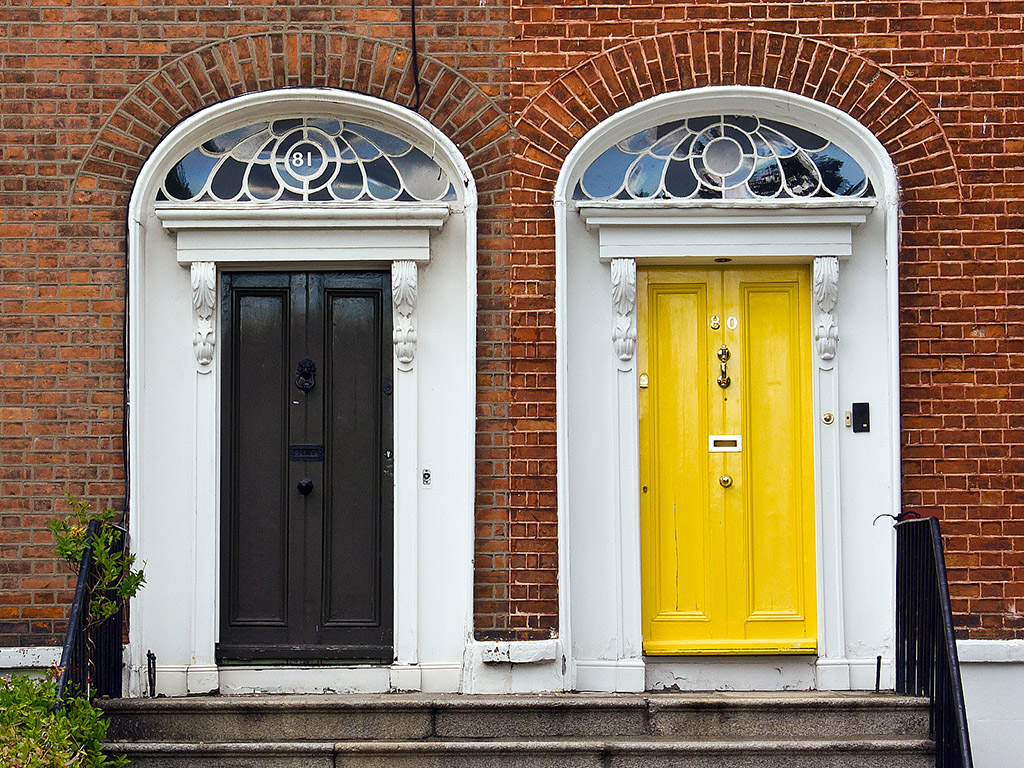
[[307, 492]]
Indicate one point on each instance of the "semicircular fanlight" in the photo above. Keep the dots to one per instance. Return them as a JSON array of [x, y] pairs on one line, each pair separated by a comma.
[[311, 159], [723, 157]]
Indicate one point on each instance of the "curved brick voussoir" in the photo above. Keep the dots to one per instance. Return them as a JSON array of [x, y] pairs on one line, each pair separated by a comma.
[[287, 59], [608, 82]]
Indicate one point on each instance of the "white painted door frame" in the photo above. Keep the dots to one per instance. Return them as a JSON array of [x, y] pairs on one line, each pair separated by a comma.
[[176, 255], [613, 238]]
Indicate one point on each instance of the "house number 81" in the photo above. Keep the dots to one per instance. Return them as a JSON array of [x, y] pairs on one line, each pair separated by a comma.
[[299, 160]]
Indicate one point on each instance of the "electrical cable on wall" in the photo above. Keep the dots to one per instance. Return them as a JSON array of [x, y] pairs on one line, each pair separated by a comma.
[[415, 58]]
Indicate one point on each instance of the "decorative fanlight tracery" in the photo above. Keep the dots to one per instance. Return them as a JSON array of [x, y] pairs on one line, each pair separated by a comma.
[[310, 159], [723, 157]]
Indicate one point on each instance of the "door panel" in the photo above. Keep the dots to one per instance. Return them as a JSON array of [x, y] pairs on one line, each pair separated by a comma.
[[679, 417], [260, 355], [727, 568], [351, 555], [306, 576]]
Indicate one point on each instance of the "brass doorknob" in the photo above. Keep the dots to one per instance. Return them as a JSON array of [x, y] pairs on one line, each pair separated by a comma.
[[725, 481]]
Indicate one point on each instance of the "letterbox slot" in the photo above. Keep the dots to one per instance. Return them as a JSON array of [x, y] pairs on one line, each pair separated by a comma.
[[725, 443]]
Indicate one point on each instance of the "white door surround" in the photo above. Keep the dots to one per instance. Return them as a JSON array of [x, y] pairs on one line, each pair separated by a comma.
[[176, 254], [852, 244]]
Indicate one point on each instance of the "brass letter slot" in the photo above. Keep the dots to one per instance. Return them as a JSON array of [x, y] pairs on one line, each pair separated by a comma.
[[725, 443]]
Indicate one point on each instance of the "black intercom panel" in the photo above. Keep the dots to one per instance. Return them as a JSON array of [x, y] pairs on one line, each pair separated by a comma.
[[861, 417]]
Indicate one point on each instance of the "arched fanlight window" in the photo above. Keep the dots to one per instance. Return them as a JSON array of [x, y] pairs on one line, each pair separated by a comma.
[[723, 157], [309, 159]]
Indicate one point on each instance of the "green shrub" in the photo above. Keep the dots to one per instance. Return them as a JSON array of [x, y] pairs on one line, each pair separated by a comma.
[[116, 579], [33, 735]]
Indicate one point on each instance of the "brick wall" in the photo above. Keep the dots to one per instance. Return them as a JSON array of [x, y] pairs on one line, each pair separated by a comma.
[[87, 90], [940, 84]]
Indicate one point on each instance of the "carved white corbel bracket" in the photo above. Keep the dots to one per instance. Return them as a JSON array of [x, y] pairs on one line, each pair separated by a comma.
[[826, 292], [403, 296], [624, 299], [204, 302]]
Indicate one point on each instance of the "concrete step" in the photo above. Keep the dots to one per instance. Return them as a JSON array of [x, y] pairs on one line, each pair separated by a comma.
[[536, 753], [416, 717]]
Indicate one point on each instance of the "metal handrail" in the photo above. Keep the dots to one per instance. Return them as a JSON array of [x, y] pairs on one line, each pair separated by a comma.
[[926, 659], [90, 663]]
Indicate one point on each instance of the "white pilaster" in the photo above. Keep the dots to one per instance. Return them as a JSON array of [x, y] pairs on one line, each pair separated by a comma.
[[833, 670], [629, 670], [404, 285]]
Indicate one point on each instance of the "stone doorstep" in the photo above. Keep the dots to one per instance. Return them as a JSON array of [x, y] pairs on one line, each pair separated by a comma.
[[591, 753], [419, 717]]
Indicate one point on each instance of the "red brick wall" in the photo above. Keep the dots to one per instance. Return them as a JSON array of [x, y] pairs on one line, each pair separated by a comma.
[[87, 90], [940, 84]]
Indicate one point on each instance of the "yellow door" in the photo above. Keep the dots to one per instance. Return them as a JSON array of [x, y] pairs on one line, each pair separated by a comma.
[[726, 460]]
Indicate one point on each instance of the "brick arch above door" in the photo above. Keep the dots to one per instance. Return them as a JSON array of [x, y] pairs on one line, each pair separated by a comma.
[[288, 59], [555, 119]]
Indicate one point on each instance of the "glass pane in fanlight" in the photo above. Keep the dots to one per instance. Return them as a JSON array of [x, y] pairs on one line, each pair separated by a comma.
[[840, 173], [801, 175], [742, 173], [229, 140], [679, 179], [423, 177], [639, 142], [324, 177], [328, 125], [761, 147], [743, 122], [766, 180], [261, 182], [389, 143], [348, 184], [188, 176], [364, 148], [685, 147], [604, 177], [800, 137], [281, 127], [698, 124], [667, 144], [382, 180], [781, 145], [704, 138], [227, 181], [249, 149], [741, 138], [326, 143], [644, 178], [286, 144]]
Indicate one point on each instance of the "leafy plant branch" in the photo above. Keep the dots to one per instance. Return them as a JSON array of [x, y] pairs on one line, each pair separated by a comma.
[[115, 580]]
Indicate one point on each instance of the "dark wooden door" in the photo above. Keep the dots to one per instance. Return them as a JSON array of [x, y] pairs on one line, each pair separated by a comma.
[[307, 492]]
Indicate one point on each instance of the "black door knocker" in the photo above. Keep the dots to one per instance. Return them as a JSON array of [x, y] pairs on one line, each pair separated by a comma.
[[305, 375]]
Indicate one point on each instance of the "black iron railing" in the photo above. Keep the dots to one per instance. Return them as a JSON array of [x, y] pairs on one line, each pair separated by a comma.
[[926, 658], [90, 664]]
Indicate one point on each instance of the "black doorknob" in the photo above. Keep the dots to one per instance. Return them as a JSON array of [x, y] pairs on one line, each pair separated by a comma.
[[305, 486]]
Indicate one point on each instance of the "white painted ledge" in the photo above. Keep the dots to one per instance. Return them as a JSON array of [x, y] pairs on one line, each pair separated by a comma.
[[981, 651], [176, 217], [519, 651], [29, 657]]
